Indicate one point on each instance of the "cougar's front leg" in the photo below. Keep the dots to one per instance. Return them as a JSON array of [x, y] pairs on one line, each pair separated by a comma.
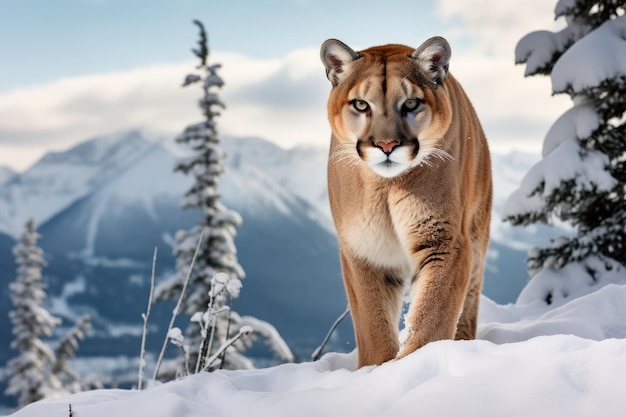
[[438, 292], [375, 297]]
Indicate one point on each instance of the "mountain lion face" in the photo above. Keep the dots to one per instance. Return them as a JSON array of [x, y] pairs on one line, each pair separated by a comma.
[[387, 107]]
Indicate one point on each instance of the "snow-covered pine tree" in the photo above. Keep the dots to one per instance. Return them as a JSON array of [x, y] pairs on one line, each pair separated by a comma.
[[66, 351], [581, 179], [217, 253], [30, 373]]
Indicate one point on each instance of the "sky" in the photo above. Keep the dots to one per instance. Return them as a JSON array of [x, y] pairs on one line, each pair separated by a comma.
[[76, 69]]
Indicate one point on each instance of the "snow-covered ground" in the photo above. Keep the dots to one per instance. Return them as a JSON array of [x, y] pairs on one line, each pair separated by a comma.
[[534, 359]]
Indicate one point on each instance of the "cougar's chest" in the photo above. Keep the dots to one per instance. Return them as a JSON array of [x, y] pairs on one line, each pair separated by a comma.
[[370, 234]]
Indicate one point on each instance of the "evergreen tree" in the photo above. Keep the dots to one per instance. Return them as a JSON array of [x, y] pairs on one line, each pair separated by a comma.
[[31, 378], [218, 225], [581, 179], [66, 351]]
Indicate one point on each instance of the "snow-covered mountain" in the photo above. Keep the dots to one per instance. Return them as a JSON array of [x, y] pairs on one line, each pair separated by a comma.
[[103, 206], [61, 178]]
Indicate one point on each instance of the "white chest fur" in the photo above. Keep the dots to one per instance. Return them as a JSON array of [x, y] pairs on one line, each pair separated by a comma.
[[374, 239]]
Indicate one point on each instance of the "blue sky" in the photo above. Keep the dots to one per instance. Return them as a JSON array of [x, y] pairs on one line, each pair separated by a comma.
[[75, 69]]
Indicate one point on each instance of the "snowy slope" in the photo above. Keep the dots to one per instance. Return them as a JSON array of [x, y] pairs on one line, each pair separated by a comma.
[[249, 185], [60, 179], [119, 164], [300, 170], [558, 375], [139, 189]]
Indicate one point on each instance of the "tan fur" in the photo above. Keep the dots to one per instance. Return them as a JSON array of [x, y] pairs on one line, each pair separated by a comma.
[[424, 229]]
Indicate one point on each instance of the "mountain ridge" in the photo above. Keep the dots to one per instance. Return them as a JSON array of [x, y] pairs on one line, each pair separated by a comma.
[[103, 239]]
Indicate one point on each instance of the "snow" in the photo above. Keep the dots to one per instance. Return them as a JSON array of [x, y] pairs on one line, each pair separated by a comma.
[[587, 170], [176, 334], [585, 64], [595, 316], [573, 280], [568, 358], [535, 57], [578, 122]]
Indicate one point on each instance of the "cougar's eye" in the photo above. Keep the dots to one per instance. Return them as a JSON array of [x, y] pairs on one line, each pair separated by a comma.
[[360, 105], [411, 105]]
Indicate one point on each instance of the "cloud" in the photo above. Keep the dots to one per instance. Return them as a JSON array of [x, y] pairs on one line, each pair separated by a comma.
[[72, 107], [286, 104], [280, 99]]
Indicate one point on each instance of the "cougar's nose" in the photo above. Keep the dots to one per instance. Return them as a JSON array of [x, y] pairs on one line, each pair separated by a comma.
[[387, 147]]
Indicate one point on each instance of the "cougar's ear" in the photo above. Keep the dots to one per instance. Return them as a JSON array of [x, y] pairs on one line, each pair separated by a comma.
[[433, 57], [337, 58]]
